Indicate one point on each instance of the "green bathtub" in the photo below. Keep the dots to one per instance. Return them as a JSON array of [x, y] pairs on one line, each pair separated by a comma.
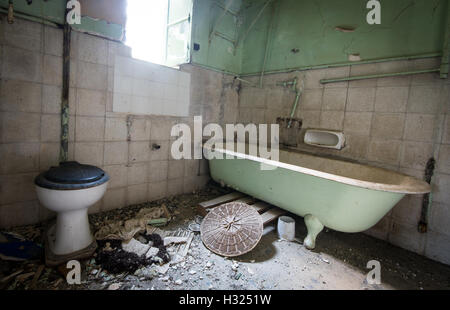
[[341, 195]]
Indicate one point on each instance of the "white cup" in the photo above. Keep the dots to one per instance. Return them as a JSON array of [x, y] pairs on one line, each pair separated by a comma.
[[286, 228]]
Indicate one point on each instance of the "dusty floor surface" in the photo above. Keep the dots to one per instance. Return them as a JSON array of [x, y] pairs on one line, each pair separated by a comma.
[[338, 262]]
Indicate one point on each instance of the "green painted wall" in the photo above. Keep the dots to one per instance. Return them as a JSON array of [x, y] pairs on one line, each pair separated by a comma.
[[408, 27], [50, 10], [219, 53], [54, 11]]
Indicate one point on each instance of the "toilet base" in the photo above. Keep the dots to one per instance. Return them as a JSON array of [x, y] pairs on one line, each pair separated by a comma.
[[52, 259]]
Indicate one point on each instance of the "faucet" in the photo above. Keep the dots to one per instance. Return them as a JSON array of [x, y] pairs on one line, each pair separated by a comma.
[[293, 85], [287, 84]]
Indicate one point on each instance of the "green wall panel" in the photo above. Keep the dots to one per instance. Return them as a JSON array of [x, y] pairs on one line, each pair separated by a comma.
[[54, 11], [407, 28], [220, 53]]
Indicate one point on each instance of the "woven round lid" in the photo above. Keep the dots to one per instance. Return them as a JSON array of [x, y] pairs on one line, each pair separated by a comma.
[[231, 229]]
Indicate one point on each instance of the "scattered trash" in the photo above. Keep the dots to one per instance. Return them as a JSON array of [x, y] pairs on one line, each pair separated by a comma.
[[158, 222], [136, 247], [152, 252], [235, 266], [178, 282], [126, 230], [176, 240], [286, 228], [162, 269], [325, 260], [37, 276], [114, 286], [118, 260], [194, 227]]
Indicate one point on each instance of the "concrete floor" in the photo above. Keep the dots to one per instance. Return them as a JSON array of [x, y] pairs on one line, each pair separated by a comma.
[[338, 262]]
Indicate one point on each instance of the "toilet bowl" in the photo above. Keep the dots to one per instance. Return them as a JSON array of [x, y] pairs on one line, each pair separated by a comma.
[[69, 190]]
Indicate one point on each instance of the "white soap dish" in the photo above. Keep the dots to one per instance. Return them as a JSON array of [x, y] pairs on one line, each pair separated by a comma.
[[325, 138]]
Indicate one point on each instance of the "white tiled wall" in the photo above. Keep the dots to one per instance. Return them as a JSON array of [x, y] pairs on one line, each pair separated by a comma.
[[144, 88]]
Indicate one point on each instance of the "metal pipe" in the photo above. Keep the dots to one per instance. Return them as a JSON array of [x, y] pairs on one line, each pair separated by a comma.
[[298, 93], [225, 37], [10, 18], [349, 63], [374, 76], [269, 33], [445, 61], [178, 21], [227, 10], [64, 150], [245, 81], [213, 69], [294, 107]]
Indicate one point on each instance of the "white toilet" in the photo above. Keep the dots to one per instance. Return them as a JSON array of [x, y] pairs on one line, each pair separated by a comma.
[[70, 189]]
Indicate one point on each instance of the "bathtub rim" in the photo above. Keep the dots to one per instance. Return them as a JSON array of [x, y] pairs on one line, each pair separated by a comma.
[[411, 186]]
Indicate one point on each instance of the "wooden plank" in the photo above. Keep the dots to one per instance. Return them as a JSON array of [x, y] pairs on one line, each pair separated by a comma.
[[11, 276], [222, 199], [37, 275], [248, 200], [203, 206], [271, 215], [261, 206]]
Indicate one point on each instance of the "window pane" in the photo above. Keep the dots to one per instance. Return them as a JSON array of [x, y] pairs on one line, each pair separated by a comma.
[[179, 9], [178, 44]]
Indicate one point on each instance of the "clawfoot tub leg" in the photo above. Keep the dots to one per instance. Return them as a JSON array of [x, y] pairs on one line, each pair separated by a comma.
[[314, 227]]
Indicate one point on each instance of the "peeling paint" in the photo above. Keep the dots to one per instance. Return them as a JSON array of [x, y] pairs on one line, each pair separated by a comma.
[[54, 11]]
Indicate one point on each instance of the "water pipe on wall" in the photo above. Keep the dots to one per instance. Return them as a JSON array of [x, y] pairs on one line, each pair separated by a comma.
[[375, 76], [344, 64], [245, 81], [269, 34], [64, 150]]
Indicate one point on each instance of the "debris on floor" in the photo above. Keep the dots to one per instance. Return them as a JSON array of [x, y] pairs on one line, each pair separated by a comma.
[[173, 256], [232, 229], [125, 230], [14, 247]]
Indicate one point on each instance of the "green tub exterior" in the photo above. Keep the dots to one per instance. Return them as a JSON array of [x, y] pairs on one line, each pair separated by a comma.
[[339, 206]]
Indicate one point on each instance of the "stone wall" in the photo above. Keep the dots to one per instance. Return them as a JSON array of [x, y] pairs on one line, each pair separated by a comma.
[[124, 145], [396, 123]]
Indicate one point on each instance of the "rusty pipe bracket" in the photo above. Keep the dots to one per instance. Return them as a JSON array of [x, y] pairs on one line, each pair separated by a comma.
[[427, 198], [10, 17]]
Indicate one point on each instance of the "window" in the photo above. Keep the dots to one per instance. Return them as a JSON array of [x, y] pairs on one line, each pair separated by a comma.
[[159, 31]]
